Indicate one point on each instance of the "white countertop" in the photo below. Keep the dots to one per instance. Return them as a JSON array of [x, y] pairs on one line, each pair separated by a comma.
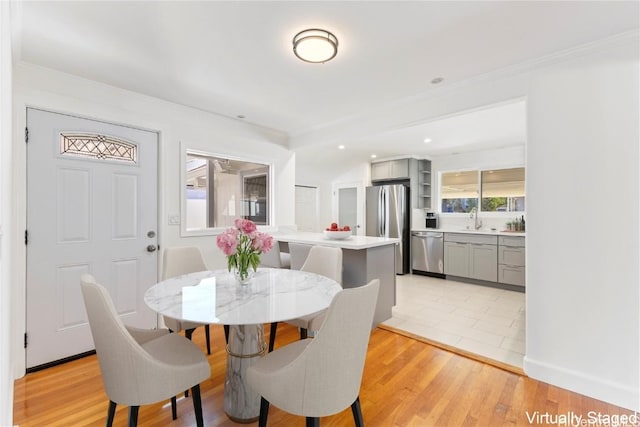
[[353, 242], [481, 231]]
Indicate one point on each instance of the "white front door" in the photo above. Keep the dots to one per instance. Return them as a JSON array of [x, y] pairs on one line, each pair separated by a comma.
[[91, 208]]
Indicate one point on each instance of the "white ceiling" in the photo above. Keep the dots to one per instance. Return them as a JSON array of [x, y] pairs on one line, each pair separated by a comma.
[[235, 58]]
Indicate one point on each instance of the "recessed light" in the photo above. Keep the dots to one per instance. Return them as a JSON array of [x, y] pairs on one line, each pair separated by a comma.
[[427, 140], [437, 80], [340, 147], [373, 156]]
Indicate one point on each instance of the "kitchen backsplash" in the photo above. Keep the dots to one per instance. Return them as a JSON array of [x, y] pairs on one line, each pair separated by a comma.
[[462, 221]]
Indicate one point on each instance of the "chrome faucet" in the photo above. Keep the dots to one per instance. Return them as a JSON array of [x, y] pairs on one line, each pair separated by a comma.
[[477, 223]]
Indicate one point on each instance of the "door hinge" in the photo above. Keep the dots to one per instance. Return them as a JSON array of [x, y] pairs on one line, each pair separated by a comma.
[[26, 237], [26, 134], [26, 340]]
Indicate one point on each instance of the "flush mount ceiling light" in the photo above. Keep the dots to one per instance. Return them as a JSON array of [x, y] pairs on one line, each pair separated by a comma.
[[315, 45]]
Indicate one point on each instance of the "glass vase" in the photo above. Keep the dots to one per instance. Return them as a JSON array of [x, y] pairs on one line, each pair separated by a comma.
[[243, 277]]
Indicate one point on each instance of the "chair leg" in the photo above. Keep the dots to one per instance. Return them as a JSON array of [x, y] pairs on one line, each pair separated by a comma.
[[111, 413], [206, 332], [188, 333], [197, 405], [174, 408], [303, 333], [264, 412], [272, 335], [313, 422], [226, 333], [133, 416], [357, 413]]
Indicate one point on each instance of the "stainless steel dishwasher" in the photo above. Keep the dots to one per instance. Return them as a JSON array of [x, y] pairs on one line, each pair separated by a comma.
[[427, 252]]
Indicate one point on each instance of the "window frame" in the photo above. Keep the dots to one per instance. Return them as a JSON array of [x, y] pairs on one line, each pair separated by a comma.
[[214, 231], [496, 214]]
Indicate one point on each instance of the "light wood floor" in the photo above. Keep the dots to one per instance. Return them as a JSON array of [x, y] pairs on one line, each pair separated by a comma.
[[406, 383]]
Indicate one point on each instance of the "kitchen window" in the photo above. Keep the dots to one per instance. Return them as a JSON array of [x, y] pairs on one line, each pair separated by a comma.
[[494, 190], [219, 189]]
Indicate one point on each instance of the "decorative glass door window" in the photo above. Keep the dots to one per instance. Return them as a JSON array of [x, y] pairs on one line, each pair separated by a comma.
[[102, 147]]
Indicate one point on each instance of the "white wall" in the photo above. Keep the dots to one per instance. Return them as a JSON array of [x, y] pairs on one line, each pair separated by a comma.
[[179, 127], [6, 376], [582, 164]]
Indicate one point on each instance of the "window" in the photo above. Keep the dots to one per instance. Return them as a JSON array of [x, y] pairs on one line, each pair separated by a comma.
[[503, 190], [219, 190], [459, 191], [498, 190]]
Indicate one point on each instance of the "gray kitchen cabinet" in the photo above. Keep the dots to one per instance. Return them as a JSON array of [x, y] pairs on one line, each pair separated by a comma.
[[511, 260], [390, 169], [483, 262], [472, 256], [424, 184], [456, 259]]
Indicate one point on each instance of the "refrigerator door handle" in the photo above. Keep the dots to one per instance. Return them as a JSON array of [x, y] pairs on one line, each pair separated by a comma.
[[385, 211], [380, 211]]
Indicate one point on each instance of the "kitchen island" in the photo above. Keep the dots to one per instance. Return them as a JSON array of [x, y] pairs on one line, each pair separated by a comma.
[[364, 258]]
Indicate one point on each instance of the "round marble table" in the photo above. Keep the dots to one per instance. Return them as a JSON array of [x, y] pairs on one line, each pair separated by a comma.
[[214, 297]]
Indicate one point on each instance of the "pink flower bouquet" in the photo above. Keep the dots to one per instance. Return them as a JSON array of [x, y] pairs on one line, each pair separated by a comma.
[[243, 244]]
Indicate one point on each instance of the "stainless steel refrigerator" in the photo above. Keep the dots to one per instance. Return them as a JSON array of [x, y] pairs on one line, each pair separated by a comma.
[[388, 216]]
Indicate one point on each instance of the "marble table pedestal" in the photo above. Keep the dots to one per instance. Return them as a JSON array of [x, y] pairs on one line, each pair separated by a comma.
[[246, 345]]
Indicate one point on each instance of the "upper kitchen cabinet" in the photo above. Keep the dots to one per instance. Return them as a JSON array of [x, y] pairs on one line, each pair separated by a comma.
[[416, 172], [390, 170]]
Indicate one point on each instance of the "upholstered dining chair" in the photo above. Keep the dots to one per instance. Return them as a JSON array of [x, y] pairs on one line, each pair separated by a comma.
[[298, 253], [138, 366], [321, 376], [178, 261], [275, 258], [323, 260]]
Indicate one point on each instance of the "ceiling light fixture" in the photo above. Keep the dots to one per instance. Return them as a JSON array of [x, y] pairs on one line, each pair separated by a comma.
[[427, 140], [315, 45], [373, 156], [340, 147]]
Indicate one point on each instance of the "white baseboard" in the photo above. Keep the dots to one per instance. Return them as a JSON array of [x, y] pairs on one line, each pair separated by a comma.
[[615, 393]]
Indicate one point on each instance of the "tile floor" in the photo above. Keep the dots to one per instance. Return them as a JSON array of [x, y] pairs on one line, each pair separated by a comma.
[[479, 319]]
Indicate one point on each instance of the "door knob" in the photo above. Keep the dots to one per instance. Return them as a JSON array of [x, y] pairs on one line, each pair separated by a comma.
[[151, 248]]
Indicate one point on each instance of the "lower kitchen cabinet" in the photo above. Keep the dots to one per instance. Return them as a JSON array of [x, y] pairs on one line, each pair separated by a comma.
[[472, 256], [456, 259], [511, 275], [511, 260], [484, 260]]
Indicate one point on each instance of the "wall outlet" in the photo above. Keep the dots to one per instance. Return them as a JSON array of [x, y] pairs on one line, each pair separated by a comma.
[[174, 219]]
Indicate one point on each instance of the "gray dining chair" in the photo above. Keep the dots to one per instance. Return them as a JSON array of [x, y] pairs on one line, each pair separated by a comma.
[[321, 376], [275, 258], [298, 253], [138, 366], [325, 261], [178, 261]]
